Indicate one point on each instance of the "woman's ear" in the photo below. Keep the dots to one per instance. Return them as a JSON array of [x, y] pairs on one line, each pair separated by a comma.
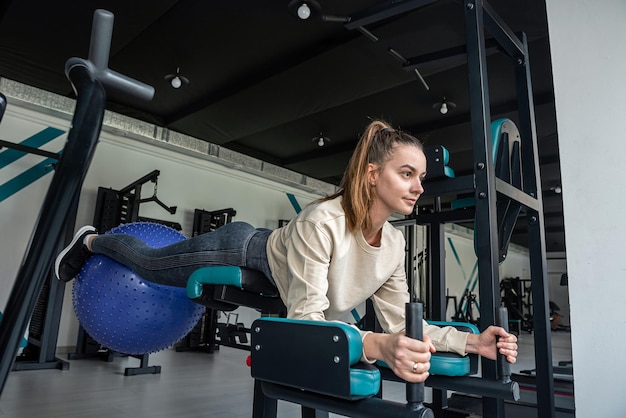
[[372, 174]]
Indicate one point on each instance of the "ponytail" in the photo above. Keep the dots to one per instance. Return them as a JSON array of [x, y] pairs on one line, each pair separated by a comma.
[[376, 146]]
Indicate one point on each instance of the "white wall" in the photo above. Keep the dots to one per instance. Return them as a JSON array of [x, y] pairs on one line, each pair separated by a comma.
[[461, 265], [587, 40]]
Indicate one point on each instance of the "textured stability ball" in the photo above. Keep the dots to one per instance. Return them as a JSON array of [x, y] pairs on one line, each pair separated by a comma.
[[125, 313]]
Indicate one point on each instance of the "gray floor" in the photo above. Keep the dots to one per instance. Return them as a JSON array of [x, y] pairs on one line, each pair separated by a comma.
[[191, 384]]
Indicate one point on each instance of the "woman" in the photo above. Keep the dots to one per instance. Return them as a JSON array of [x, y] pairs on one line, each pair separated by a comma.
[[334, 255]]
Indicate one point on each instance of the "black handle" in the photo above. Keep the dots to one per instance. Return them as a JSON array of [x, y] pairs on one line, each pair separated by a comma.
[[504, 368], [415, 329]]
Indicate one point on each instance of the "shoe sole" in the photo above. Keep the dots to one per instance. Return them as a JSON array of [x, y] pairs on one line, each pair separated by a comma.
[[78, 235]]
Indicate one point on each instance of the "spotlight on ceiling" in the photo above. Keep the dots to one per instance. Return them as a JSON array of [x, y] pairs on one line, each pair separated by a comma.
[[444, 106], [304, 9], [176, 80], [320, 139]]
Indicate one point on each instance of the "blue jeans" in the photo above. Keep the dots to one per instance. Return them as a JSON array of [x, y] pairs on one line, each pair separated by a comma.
[[234, 244]]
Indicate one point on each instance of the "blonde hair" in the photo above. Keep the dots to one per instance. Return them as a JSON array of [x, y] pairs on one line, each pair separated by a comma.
[[376, 146]]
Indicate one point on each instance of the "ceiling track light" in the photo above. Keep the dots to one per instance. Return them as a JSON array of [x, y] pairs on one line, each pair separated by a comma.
[[444, 106]]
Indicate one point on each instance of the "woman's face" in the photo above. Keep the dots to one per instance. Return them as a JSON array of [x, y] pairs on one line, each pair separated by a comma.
[[398, 185]]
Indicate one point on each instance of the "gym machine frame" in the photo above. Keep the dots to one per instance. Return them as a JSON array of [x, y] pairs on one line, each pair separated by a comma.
[[40, 351], [480, 16], [88, 78]]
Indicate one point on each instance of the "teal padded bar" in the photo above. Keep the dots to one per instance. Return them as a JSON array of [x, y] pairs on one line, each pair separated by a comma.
[[449, 364], [462, 203], [354, 338], [438, 158], [444, 364], [452, 364], [314, 356], [364, 382], [214, 275], [498, 126], [462, 326]]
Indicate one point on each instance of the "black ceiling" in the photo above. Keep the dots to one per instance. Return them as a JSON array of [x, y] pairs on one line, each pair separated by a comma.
[[264, 82]]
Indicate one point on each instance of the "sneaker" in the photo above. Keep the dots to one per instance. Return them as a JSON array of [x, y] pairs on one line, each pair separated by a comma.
[[71, 259]]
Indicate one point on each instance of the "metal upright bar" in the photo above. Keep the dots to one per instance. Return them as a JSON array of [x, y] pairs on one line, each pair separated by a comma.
[[437, 286], [437, 262], [87, 78], [536, 239], [62, 193], [485, 192]]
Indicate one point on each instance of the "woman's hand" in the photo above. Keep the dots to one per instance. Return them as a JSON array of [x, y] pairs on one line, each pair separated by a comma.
[[409, 359], [485, 345]]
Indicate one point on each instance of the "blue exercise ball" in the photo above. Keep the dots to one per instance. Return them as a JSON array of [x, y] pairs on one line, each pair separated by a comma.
[[126, 313]]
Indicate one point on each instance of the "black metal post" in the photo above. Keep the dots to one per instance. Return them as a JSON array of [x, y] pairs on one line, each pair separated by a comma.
[[415, 329], [85, 77], [484, 176], [536, 239], [63, 191]]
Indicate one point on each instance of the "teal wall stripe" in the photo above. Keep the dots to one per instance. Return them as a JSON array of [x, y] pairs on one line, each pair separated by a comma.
[[294, 202], [9, 156], [26, 178]]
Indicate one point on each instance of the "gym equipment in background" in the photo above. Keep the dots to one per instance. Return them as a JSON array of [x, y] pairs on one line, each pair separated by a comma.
[[116, 207], [126, 313], [113, 208], [209, 334]]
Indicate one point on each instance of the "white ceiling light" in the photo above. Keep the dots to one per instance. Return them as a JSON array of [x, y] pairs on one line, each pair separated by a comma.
[[444, 106], [321, 140], [304, 12], [176, 80], [305, 9]]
